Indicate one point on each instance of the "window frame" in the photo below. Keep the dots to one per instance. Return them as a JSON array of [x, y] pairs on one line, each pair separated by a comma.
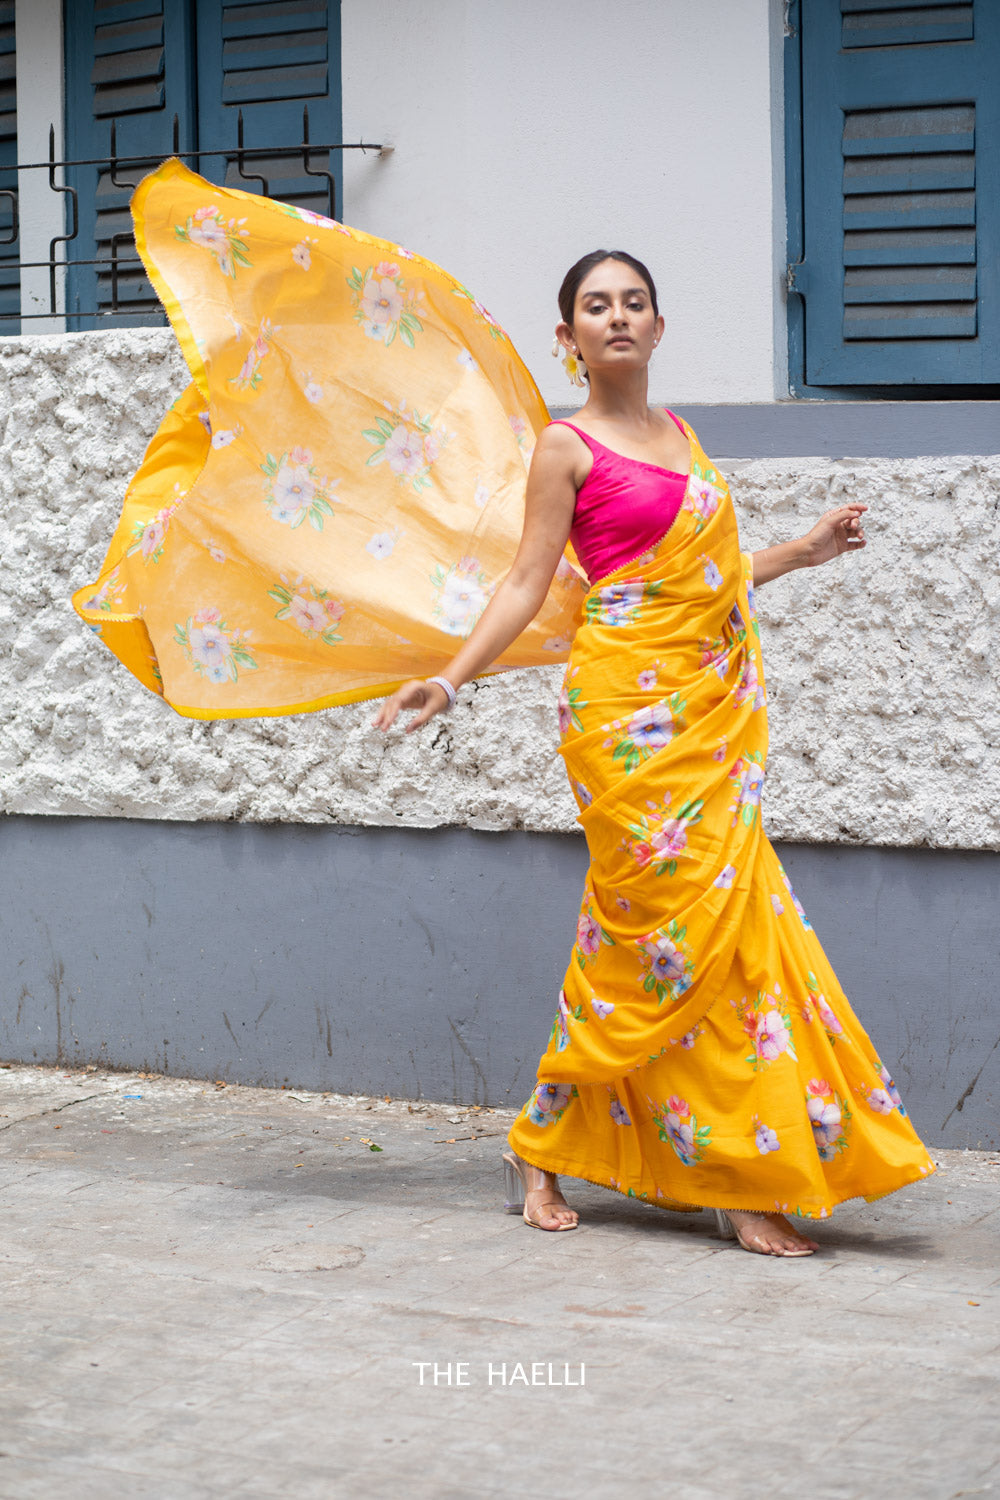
[[798, 386]]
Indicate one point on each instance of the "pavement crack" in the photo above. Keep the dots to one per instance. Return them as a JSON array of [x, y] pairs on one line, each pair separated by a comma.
[[55, 1110]]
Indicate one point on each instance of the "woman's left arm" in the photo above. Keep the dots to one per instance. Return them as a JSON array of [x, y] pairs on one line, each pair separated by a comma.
[[837, 532]]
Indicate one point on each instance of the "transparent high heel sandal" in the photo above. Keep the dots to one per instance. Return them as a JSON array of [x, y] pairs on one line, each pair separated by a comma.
[[728, 1230], [517, 1182]]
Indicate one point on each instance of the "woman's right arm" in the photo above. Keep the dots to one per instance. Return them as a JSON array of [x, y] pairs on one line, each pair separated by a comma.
[[548, 514]]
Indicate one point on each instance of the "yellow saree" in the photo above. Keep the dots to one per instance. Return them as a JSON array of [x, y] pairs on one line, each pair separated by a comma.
[[325, 512], [702, 1050]]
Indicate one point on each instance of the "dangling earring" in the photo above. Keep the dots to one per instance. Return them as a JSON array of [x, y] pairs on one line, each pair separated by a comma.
[[573, 364]]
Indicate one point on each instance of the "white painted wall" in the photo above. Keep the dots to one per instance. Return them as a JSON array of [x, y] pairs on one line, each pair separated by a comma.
[[528, 133], [883, 679]]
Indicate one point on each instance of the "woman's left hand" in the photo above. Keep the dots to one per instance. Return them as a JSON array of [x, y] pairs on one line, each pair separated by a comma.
[[837, 532]]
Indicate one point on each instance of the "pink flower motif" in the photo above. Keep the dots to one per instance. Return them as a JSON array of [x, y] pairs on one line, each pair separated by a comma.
[[827, 1016], [748, 685], [301, 255], [588, 935], [880, 1102], [381, 301], [677, 1106], [207, 616], [300, 456], [205, 213], [817, 1088], [152, 536], [704, 497], [771, 1036], [308, 614], [642, 853], [670, 838], [891, 1088], [334, 609], [404, 451], [647, 680], [386, 268]]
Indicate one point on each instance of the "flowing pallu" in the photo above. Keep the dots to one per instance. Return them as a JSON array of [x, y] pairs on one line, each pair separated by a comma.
[[702, 1051], [328, 507]]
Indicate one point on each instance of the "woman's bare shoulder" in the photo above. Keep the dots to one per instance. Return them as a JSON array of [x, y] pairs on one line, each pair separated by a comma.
[[559, 447]]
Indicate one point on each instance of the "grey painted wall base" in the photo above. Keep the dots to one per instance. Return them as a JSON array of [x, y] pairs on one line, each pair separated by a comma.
[[840, 429], [425, 963]]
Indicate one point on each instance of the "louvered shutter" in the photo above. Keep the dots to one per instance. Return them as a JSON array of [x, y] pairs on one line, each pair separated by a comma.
[[10, 285], [140, 62], [901, 191], [268, 60], [131, 61]]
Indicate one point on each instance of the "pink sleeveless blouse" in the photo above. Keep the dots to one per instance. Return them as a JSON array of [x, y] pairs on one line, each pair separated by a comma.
[[623, 507]]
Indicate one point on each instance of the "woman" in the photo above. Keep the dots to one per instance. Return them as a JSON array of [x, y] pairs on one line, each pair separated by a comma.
[[703, 1053], [335, 498]]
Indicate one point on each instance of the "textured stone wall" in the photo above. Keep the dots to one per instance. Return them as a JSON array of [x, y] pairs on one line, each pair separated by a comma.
[[885, 710]]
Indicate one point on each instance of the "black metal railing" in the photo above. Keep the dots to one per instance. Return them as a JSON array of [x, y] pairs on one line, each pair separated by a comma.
[[116, 267]]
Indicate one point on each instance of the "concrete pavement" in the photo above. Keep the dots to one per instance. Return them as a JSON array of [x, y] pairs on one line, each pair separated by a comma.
[[214, 1291]]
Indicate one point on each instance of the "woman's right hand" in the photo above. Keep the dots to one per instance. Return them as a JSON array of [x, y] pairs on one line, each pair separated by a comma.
[[428, 697]]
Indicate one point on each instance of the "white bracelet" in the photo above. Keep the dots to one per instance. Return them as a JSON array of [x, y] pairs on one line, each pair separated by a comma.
[[442, 682]]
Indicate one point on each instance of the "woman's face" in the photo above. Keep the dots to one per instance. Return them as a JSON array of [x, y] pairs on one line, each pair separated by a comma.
[[614, 326]]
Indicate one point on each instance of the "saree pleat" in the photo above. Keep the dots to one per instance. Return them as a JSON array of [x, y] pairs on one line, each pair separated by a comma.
[[703, 1051]]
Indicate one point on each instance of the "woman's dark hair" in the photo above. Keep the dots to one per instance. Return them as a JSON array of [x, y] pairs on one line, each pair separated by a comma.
[[584, 266]]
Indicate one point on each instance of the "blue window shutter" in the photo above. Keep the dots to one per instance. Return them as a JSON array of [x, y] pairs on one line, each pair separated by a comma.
[[10, 285], [269, 60], [131, 61], [901, 192], [141, 62]]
